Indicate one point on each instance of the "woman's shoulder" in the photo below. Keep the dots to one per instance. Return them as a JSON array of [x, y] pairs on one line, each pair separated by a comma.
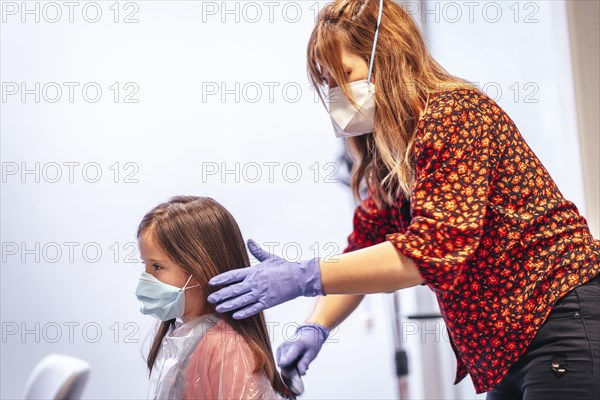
[[461, 118], [457, 109], [456, 100]]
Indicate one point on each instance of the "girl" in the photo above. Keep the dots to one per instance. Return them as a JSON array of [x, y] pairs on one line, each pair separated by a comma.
[[197, 353]]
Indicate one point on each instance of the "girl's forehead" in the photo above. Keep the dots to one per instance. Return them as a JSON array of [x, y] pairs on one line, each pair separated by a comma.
[[146, 238], [147, 244]]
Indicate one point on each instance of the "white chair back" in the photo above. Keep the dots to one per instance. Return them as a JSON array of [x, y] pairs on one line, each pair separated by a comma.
[[57, 377]]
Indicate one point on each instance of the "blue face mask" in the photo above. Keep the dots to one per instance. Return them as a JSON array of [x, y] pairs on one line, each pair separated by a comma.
[[160, 299]]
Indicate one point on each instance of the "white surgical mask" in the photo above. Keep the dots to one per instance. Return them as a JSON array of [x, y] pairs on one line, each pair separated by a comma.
[[347, 119]]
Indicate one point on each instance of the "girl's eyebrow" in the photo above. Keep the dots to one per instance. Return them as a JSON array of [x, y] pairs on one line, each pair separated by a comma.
[[151, 260]]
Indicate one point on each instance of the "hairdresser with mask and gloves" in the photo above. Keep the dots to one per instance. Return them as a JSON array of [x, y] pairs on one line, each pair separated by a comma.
[[456, 201]]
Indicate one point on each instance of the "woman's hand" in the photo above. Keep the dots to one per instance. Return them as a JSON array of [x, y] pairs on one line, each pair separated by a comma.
[[271, 282], [300, 352]]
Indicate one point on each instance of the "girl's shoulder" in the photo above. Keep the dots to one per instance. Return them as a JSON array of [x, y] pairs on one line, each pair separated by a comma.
[[221, 334], [220, 344]]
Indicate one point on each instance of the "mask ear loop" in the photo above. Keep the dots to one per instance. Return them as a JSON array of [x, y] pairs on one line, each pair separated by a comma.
[[375, 42], [188, 281]]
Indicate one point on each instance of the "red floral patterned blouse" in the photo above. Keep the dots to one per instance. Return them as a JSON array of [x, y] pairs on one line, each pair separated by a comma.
[[488, 229]]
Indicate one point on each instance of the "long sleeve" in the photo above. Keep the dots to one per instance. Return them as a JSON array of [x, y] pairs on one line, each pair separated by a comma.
[[449, 196], [372, 224], [490, 232]]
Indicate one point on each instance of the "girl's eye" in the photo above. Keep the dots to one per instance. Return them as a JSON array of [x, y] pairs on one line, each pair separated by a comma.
[[157, 267]]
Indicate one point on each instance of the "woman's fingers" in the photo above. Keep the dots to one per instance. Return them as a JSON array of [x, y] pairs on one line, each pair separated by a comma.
[[290, 351], [239, 301], [235, 275], [249, 311], [229, 292], [260, 254], [303, 362], [257, 251]]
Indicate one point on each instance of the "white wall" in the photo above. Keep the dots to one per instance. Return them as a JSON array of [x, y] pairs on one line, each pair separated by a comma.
[[584, 33], [166, 138]]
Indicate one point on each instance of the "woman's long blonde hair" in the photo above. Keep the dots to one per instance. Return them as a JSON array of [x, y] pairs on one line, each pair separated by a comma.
[[405, 75], [202, 237]]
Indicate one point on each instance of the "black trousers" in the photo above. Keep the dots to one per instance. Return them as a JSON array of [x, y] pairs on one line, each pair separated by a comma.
[[563, 360]]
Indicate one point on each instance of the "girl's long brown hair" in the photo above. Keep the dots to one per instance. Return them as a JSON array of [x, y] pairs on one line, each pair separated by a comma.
[[405, 75], [203, 238]]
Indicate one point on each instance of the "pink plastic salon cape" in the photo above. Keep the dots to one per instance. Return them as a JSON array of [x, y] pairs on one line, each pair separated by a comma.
[[206, 358]]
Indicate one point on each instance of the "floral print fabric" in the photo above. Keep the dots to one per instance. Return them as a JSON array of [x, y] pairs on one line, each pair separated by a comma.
[[488, 229]]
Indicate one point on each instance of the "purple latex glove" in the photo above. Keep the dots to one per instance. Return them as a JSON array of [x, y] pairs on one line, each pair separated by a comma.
[[272, 282], [300, 352]]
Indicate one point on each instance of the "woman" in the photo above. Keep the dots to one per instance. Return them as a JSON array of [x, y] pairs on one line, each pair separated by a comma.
[[457, 201], [197, 353]]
